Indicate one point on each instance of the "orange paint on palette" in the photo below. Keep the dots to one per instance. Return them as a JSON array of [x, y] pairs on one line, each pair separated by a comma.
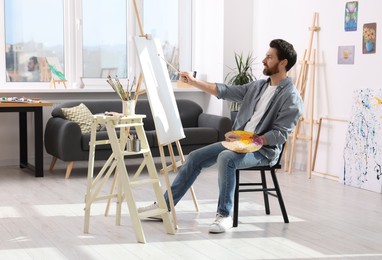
[[248, 142]]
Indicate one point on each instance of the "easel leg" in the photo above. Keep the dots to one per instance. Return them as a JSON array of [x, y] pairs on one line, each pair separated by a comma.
[[311, 121], [181, 155], [168, 186], [317, 141], [194, 199]]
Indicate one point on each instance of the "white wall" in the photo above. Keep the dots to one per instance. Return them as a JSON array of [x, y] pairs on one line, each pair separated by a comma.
[[221, 28], [208, 25], [335, 83]]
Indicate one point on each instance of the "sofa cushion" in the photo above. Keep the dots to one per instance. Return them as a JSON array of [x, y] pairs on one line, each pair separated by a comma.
[[189, 112], [81, 115], [199, 136]]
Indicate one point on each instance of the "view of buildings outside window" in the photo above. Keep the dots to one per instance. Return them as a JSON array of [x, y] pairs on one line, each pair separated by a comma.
[[161, 21], [35, 34], [105, 38], [33, 31]]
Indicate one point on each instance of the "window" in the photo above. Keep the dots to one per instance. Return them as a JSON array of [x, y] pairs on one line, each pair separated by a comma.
[[33, 31], [87, 39], [160, 24], [104, 38]]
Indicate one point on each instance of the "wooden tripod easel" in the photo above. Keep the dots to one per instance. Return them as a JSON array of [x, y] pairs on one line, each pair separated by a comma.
[[308, 66], [174, 163], [58, 81]]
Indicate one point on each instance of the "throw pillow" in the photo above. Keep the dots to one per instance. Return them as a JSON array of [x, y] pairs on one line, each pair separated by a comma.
[[81, 115]]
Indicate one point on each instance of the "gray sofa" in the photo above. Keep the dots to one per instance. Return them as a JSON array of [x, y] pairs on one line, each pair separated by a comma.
[[63, 138]]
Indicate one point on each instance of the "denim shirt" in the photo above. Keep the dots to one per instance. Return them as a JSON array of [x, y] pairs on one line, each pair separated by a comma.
[[281, 115]]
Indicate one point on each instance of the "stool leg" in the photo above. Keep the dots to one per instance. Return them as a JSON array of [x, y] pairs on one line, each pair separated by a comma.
[[279, 196], [265, 192], [236, 200]]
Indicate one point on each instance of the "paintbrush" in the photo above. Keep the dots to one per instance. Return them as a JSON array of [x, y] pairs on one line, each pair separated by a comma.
[[120, 88], [169, 64], [132, 85]]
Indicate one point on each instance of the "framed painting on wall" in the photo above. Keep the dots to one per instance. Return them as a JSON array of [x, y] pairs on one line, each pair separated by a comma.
[[369, 38], [346, 54], [351, 15]]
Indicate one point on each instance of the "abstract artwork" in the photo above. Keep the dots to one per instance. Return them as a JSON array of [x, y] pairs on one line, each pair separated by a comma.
[[351, 14], [363, 145]]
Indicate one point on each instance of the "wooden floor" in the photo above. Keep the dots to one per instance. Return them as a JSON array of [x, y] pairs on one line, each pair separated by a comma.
[[42, 218]]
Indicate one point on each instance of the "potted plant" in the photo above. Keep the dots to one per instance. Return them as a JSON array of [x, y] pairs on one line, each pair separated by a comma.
[[240, 75]]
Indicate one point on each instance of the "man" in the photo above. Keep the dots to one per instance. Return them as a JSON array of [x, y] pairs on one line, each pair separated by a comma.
[[270, 109], [34, 69]]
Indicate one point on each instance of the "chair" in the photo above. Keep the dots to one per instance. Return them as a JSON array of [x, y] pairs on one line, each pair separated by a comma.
[[273, 191]]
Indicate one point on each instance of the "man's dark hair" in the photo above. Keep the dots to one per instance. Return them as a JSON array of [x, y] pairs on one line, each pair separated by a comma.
[[285, 50], [34, 59]]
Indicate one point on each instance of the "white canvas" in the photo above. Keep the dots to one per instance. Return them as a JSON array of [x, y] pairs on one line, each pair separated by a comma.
[[159, 91]]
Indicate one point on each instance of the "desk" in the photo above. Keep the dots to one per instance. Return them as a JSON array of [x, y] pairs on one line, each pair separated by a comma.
[[22, 109]]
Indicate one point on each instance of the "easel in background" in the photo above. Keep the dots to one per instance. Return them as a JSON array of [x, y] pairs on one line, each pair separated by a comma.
[[46, 74], [58, 81], [56, 70], [308, 65], [329, 119], [174, 162]]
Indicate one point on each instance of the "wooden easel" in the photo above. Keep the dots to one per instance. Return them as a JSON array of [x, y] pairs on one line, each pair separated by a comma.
[[308, 68], [173, 167], [55, 70], [329, 119], [174, 163], [58, 81]]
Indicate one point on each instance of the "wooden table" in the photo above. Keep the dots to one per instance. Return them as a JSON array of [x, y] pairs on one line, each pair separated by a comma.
[[22, 108]]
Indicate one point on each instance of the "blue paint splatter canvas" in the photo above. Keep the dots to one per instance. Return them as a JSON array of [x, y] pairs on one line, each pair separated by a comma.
[[363, 146]]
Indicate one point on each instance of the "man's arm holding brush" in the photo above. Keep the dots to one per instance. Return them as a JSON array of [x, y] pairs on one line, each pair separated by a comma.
[[205, 86]]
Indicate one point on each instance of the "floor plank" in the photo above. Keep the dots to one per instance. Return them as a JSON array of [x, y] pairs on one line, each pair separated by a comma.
[[43, 218]]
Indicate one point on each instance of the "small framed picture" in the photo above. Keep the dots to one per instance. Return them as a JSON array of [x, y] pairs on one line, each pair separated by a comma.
[[351, 15], [346, 54], [369, 38]]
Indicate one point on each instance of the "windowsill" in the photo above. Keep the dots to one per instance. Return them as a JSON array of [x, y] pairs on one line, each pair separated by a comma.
[[61, 89]]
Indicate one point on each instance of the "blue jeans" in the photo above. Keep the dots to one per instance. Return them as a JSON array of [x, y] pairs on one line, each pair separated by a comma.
[[227, 161]]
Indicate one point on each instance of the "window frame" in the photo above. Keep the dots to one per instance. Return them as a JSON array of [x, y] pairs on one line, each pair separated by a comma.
[[73, 49]]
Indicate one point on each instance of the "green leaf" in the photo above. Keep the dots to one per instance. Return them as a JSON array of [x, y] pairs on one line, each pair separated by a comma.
[[241, 74]]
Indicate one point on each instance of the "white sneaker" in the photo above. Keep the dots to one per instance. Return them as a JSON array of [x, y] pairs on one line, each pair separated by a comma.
[[151, 207], [221, 224]]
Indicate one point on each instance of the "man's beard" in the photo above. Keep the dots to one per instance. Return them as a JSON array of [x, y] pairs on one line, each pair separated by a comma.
[[271, 71]]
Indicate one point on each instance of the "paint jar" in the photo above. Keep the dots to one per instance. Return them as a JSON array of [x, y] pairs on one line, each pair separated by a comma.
[[128, 107], [133, 145], [136, 145]]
